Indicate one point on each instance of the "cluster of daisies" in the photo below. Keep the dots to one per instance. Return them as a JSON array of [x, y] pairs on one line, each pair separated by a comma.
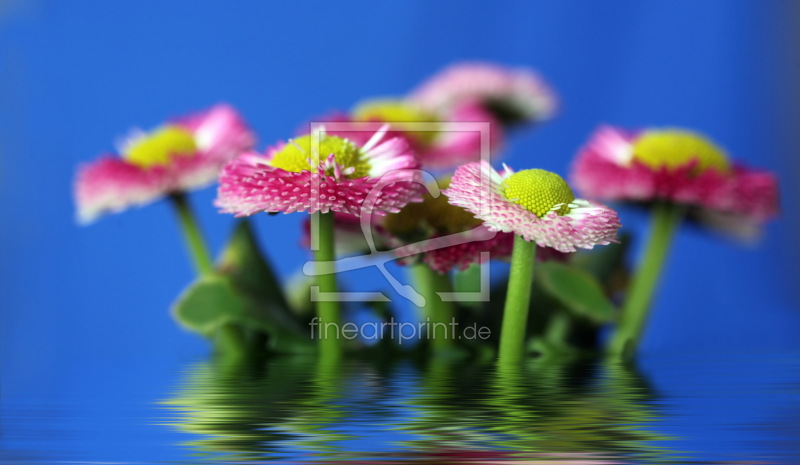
[[414, 175]]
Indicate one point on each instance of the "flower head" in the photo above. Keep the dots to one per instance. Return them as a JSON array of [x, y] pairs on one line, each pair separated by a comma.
[[512, 95], [535, 204], [181, 155], [674, 165], [444, 236], [436, 137], [322, 172], [439, 234]]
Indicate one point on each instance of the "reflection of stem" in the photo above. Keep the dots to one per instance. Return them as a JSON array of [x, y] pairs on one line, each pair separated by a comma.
[[508, 398], [192, 235], [327, 306], [436, 312], [666, 219], [318, 413], [515, 314]]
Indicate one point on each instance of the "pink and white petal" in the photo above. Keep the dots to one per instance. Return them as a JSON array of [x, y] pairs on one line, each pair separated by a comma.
[[390, 155], [220, 132], [754, 193], [190, 173], [461, 256], [453, 148], [476, 187], [112, 185], [584, 227], [249, 185], [484, 81], [604, 169], [357, 132]]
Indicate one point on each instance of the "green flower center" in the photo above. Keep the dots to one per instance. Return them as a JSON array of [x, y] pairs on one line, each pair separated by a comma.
[[305, 154], [674, 148], [158, 147], [397, 112], [416, 220], [539, 191]]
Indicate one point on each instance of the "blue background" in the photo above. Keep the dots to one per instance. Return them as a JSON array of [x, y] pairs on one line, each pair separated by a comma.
[[75, 76]]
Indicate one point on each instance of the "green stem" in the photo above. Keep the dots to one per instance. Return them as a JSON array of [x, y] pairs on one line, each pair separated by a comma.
[[633, 318], [192, 235], [515, 314], [327, 310], [559, 328], [437, 313], [230, 341]]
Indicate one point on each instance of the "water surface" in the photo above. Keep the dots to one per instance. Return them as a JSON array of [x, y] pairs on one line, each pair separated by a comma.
[[664, 410]]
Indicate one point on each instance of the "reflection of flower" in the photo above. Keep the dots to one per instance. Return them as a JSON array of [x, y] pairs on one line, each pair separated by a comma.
[[302, 409], [321, 172], [184, 154], [511, 95], [535, 204], [552, 411], [675, 166]]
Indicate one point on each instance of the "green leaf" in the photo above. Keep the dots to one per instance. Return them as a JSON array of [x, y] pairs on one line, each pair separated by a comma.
[[213, 302], [208, 304], [243, 297], [244, 262], [576, 289]]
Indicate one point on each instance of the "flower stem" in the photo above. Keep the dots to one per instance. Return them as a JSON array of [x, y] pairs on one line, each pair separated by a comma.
[[230, 341], [635, 310], [192, 235], [515, 314], [327, 309], [437, 313]]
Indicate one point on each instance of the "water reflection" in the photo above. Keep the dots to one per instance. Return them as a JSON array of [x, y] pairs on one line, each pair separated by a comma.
[[442, 411]]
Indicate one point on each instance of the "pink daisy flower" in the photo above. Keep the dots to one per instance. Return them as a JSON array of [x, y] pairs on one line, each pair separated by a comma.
[[436, 137], [512, 95], [445, 240], [322, 173], [182, 155], [443, 236], [465, 250], [676, 166], [535, 204]]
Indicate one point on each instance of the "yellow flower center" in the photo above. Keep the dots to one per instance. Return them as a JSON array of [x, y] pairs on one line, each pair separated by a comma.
[[436, 214], [539, 191], [397, 112], [674, 148], [160, 146], [307, 152]]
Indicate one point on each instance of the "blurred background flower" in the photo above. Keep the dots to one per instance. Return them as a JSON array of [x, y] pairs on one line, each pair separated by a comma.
[[179, 156]]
